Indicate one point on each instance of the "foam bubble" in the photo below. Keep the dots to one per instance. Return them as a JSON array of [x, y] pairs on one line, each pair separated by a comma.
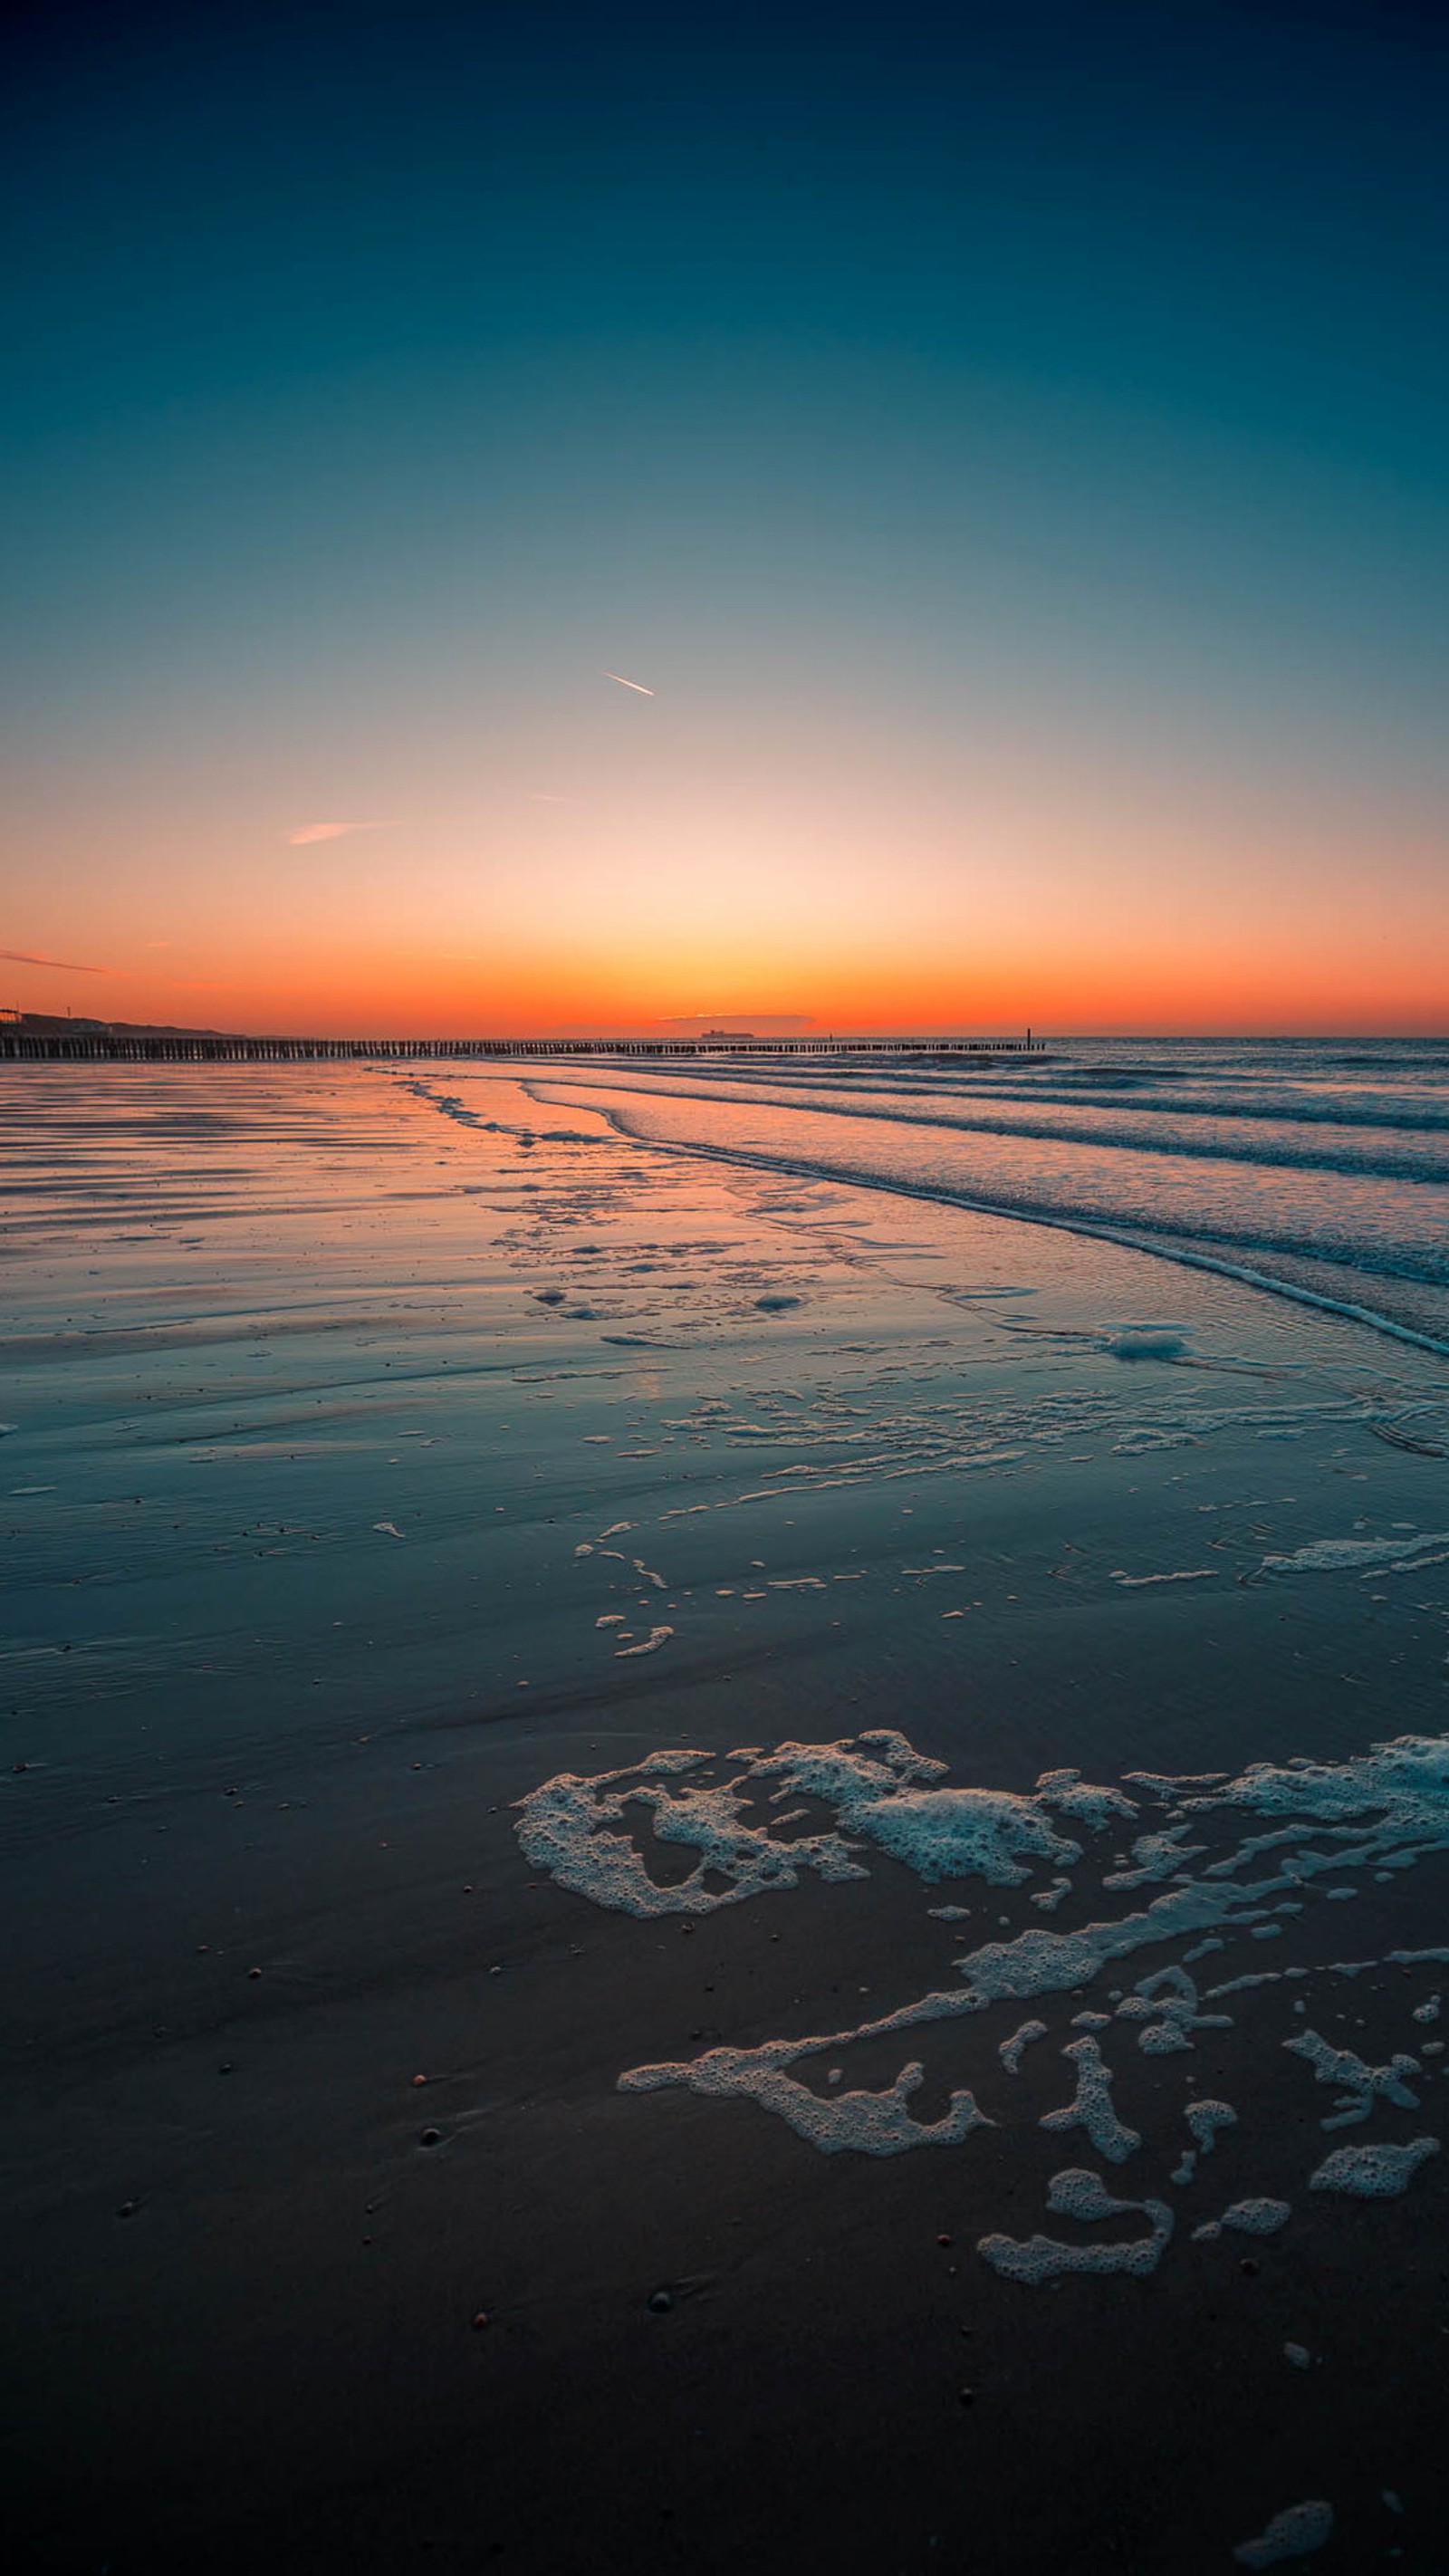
[[1372, 2173], [561, 1831], [1180, 1574], [1206, 2118], [1350, 1555], [1388, 1807], [1091, 2105], [1047, 1899], [1157, 1856], [1258, 2217], [889, 1794], [1361, 2084], [1012, 2051], [1408, 1779], [1082, 2195], [1167, 2004], [864, 2124], [649, 1645]]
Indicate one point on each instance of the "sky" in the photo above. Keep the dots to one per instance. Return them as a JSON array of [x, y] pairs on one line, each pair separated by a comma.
[[1007, 451]]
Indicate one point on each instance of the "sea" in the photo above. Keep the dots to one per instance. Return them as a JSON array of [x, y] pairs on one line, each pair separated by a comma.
[[1316, 1169]]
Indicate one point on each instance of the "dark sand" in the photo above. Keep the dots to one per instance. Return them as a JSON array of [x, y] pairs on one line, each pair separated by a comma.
[[252, 1315]]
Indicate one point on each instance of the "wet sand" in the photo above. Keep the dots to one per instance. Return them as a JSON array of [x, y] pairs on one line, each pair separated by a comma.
[[330, 1399]]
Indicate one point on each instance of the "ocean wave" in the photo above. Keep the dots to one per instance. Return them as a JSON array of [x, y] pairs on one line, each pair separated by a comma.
[[1285, 1152], [1399, 1228], [1390, 1112], [1206, 1238]]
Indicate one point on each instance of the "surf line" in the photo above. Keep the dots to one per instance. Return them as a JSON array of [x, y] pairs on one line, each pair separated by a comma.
[[1046, 1131], [943, 1197]]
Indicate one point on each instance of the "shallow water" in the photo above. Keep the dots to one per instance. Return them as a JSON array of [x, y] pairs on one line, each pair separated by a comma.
[[1317, 1166], [385, 1447]]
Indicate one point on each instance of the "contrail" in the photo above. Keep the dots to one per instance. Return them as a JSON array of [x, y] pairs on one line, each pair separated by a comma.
[[67, 965], [629, 684]]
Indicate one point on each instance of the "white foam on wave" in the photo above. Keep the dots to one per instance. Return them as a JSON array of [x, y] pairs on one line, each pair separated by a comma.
[[1360, 2085], [1082, 2195], [1206, 2118], [564, 1830], [1145, 1443], [649, 1645], [1156, 1857], [1012, 2051], [960, 1833], [1091, 2105], [1047, 1899], [1378, 2172], [1351, 1555], [1181, 1574], [878, 1786], [884, 1801], [887, 1794], [865, 2124], [1166, 2005], [1257, 2217], [1405, 1781]]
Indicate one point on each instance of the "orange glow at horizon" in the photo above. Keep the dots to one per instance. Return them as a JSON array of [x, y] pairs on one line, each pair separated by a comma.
[[802, 870], [412, 992]]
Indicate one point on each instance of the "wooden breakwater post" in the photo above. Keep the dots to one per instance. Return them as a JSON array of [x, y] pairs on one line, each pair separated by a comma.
[[118, 1046]]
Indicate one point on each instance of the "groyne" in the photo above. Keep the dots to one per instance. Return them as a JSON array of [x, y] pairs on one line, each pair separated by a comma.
[[92, 1046]]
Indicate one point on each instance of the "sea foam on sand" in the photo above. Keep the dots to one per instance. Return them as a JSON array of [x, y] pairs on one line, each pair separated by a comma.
[[1387, 1808]]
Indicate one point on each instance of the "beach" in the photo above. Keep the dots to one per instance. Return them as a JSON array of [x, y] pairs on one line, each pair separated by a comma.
[[440, 2132]]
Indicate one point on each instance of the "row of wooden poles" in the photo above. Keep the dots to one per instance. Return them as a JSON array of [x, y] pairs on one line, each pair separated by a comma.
[[90, 1046]]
